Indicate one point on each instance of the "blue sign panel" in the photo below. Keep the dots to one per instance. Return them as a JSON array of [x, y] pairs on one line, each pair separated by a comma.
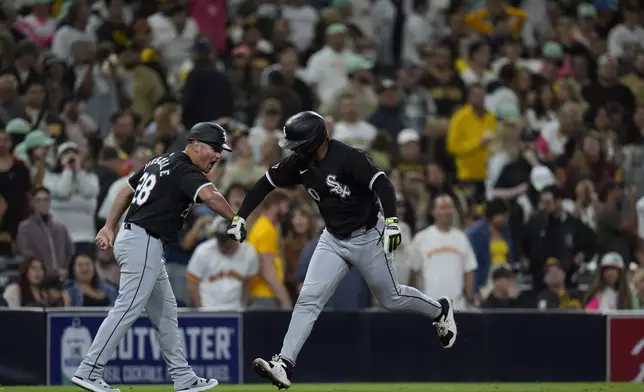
[[212, 345]]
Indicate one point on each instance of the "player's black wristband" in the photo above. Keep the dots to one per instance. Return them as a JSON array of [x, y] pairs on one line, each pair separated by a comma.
[[255, 196], [387, 195]]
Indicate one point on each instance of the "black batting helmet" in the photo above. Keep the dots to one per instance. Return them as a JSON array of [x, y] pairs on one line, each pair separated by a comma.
[[304, 133], [211, 134]]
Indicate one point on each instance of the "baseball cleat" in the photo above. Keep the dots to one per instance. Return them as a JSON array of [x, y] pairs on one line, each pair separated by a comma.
[[202, 384], [445, 324], [274, 370], [97, 385]]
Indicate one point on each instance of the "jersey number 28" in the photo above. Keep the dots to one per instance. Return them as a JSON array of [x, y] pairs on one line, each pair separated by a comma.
[[144, 188]]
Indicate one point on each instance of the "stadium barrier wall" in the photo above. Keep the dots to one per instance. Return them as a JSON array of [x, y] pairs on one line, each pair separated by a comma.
[[40, 347]]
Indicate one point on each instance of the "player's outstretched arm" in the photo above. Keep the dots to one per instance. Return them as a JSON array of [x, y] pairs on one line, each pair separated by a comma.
[[237, 228], [255, 196], [216, 201]]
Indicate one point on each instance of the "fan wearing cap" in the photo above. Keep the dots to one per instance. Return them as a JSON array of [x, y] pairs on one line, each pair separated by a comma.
[[33, 152], [387, 117], [202, 52], [220, 270], [350, 128], [326, 70], [18, 129], [554, 232], [513, 156], [360, 84], [73, 192], [505, 290], [610, 290], [556, 295], [410, 159], [158, 198]]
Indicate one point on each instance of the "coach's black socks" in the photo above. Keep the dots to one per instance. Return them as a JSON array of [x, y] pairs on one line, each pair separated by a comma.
[[444, 305]]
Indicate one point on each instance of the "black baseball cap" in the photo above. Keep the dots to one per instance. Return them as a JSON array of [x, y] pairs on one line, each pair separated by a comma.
[[502, 272], [529, 135]]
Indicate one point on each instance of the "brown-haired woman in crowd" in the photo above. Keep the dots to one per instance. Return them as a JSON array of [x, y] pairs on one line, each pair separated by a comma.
[[302, 229], [26, 291], [610, 290], [590, 161]]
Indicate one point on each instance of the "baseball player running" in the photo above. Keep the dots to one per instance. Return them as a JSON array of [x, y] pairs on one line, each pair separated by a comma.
[[159, 197], [346, 185]]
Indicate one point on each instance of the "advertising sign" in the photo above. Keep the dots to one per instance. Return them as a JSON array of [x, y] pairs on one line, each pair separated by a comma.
[[212, 345], [626, 348]]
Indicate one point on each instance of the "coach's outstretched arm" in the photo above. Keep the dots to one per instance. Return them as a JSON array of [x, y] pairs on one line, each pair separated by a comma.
[[254, 198], [215, 201], [105, 237]]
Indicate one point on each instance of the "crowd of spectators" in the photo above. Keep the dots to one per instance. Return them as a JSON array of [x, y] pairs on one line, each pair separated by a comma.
[[512, 131]]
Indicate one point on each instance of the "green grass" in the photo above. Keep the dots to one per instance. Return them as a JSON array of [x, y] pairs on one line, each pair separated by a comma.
[[495, 387]]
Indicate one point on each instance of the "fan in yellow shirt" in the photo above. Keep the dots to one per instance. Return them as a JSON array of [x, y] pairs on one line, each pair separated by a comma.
[[267, 290], [470, 130], [488, 20]]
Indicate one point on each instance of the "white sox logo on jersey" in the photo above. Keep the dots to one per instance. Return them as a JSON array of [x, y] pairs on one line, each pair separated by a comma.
[[337, 188]]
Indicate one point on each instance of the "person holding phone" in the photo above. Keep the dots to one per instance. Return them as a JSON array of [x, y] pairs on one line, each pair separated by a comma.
[[73, 191]]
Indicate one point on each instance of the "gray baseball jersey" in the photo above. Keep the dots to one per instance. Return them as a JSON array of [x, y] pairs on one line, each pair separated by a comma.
[[341, 184], [164, 191]]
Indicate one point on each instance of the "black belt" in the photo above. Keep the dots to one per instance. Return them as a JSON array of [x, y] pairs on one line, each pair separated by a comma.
[[128, 226], [346, 235]]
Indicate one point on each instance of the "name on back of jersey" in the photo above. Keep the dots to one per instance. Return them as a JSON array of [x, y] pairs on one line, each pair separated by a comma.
[[162, 161]]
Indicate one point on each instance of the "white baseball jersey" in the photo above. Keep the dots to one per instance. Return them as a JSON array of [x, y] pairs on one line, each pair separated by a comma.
[[221, 277], [446, 258]]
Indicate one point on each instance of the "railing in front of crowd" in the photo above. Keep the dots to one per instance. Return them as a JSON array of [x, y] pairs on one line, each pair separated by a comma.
[[44, 346]]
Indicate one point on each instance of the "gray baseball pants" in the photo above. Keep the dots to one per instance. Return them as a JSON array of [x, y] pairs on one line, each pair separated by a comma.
[[144, 285], [330, 263]]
